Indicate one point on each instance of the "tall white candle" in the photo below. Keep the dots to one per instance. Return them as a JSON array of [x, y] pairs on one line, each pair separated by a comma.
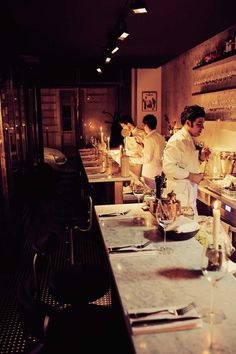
[[101, 134], [216, 224]]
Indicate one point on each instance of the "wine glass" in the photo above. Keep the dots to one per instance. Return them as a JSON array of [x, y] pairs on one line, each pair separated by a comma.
[[214, 267], [138, 188], [165, 215]]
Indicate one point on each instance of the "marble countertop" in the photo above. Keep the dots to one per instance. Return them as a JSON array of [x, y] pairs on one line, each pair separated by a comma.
[[148, 279]]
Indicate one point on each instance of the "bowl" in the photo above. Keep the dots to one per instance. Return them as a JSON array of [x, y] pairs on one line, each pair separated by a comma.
[[179, 236]]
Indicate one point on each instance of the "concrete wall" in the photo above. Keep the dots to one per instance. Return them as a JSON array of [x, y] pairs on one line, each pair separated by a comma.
[[174, 83]]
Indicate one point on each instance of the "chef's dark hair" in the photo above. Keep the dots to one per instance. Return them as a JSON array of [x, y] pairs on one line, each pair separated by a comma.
[[150, 120], [126, 118], [191, 113]]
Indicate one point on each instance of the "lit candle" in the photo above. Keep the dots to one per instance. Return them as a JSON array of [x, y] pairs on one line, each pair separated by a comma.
[[101, 134], [216, 224], [108, 143]]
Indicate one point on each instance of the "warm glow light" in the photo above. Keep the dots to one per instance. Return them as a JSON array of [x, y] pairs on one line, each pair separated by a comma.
[[216, 204], [100, 129], [108, 59], [123, 35], [99, 70], [115, 50]]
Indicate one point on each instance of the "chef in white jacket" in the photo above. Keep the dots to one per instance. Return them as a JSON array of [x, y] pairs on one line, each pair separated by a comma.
[[152, 154], [181, 161]]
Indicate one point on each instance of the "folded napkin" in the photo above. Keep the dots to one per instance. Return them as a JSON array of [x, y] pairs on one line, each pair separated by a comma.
[[84, 152], [90, 163], [94, 169], [151, 327], [205, 235], [97, 175], [90, 157], [183, 224]]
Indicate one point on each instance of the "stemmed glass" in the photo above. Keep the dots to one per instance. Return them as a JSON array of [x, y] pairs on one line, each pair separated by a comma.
[[138, 188], [214, 267], [165, 215]]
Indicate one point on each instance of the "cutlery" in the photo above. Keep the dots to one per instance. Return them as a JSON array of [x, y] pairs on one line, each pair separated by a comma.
[[141, 323], [143, 245], [114, 214], [129, 250], [176, 312]]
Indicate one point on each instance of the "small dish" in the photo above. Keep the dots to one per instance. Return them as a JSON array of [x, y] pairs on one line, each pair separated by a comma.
[[179, 236]]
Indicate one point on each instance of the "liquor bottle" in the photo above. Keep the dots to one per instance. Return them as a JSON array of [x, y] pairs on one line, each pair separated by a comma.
[[160, 181], [124, 164], [229, 43]]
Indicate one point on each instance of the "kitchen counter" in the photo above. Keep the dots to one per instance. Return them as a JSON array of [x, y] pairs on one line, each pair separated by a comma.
[[206, 193]]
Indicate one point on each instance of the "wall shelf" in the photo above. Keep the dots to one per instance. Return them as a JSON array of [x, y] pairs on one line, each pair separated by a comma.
[[213, 90], [223, 59]]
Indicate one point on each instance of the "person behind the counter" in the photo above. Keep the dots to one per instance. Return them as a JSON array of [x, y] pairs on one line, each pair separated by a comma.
[[133, 146], [181, 161], [152, 154]]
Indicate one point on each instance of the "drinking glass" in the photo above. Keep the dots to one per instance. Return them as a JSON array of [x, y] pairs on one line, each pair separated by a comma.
[[165, 215], [138, 191], [214, 267]]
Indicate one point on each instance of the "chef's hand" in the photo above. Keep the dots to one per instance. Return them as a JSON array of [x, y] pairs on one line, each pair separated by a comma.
[[195, 177], [205, 153]]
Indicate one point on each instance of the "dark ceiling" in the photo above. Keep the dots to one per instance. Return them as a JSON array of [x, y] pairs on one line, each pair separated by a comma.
[[75, 32]]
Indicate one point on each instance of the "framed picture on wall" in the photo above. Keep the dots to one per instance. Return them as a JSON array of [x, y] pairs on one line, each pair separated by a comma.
[[149, 101]]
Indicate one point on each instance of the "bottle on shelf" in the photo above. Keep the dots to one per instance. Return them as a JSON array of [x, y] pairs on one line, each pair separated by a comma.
[[229, 43]]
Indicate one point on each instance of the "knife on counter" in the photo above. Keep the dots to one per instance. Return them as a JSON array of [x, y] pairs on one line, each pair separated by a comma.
[[130, 250], [158, 321]]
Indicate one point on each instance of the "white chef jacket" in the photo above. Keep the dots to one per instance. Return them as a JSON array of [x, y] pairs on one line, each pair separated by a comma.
[[154, 144], [132, 147], [180, 158]]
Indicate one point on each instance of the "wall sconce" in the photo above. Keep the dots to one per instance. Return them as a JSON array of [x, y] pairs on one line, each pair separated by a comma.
[[138, 7]]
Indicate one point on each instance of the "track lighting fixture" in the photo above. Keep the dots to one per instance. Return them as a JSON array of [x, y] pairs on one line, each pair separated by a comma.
[[122, 32], [99, 70], [108, 59], [123, 35], [138, 7], [114, 48]]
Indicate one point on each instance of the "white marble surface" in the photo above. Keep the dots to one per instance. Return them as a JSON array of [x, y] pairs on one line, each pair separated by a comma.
[[147, 279]]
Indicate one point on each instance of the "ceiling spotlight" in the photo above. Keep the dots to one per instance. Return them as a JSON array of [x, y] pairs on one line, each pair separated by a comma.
[[108, 59], [114, 49], [123, 35], [99, 70], [138, 7]]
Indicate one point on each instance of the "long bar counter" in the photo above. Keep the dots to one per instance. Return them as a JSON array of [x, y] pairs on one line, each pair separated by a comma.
[[149, 280]]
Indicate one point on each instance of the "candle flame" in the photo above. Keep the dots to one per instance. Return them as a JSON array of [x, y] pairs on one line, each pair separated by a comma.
[[100, 129], [216, 204]]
